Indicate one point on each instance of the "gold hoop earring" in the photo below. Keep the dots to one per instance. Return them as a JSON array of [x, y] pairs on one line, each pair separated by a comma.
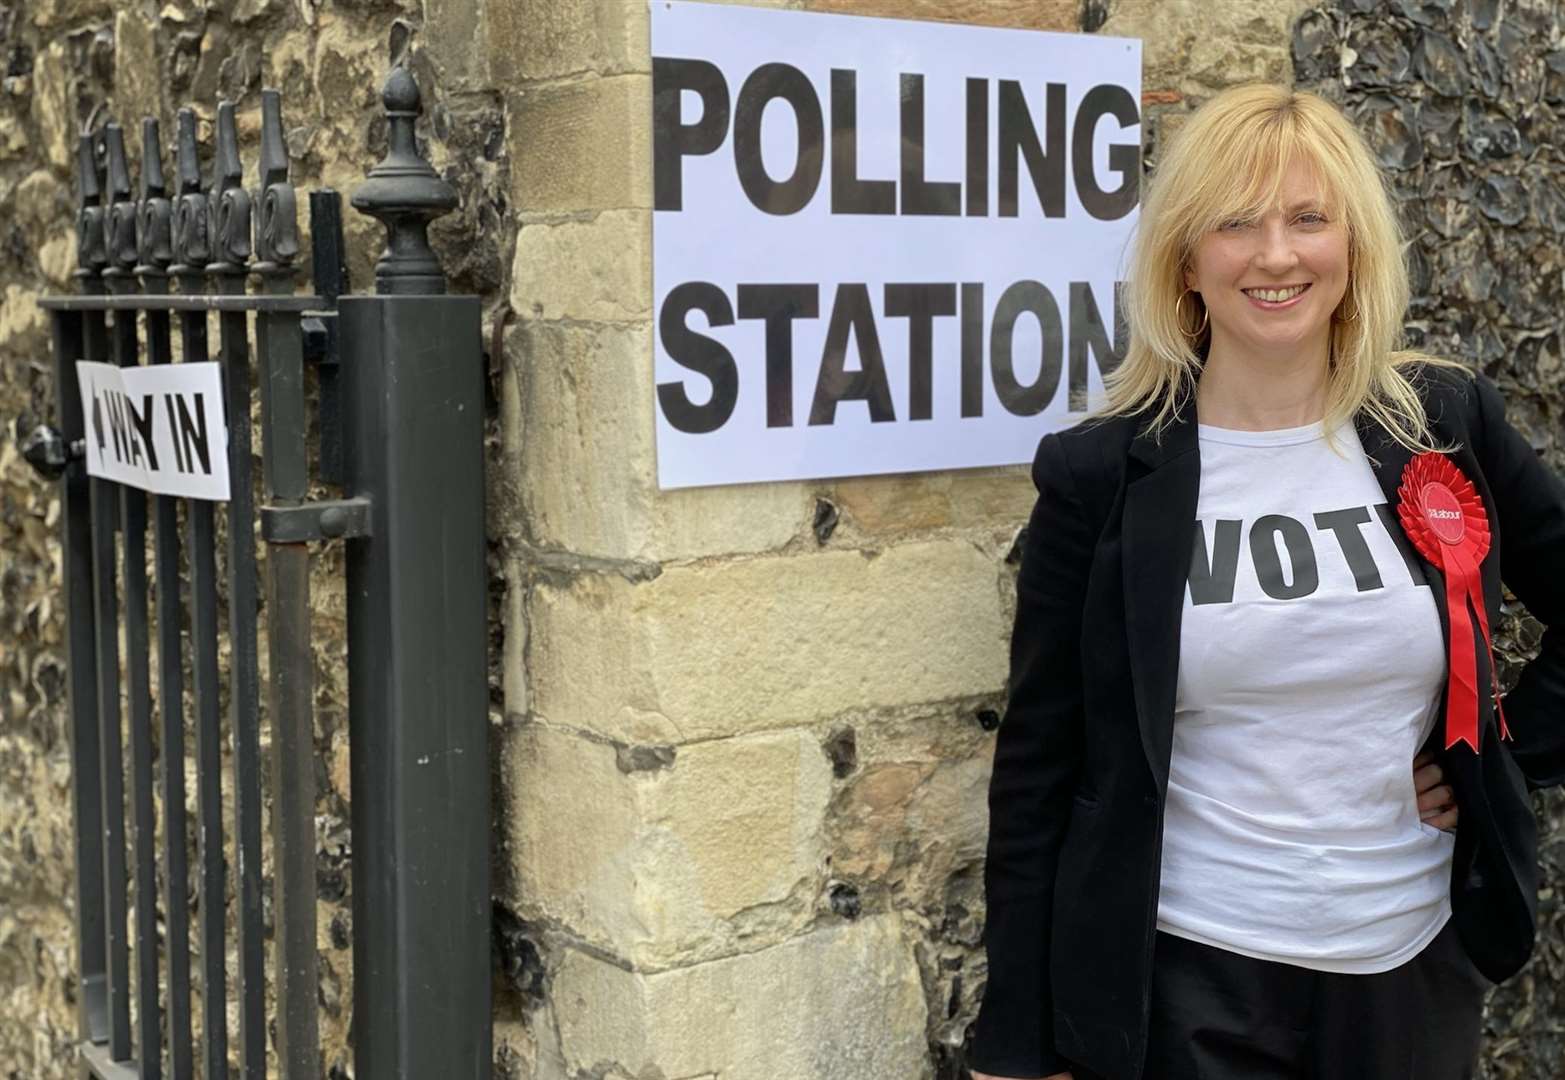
[[1179, 312], [1350, 318]]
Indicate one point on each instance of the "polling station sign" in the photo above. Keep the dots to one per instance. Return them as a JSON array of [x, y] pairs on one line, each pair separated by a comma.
[[157, 428], [881, 245]]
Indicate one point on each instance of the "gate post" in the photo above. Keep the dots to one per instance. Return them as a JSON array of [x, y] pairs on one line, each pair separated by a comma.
[[413, 405], [71, 331]]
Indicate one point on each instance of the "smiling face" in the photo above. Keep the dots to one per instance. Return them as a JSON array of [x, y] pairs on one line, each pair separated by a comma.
[[1270, 284]]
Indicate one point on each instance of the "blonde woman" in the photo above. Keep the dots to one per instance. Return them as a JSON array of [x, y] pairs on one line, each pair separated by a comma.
[[1255, 587]]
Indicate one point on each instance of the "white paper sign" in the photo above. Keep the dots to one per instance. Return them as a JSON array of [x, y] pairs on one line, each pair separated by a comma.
[[157, 428], [881, 245]]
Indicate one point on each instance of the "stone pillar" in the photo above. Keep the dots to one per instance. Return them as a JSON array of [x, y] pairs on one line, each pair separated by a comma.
[[745, 758]]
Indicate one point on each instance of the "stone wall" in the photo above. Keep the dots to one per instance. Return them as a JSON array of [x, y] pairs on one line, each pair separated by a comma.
[[741, 735]]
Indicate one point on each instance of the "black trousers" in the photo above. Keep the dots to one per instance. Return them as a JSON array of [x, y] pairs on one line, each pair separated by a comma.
[[1217, 1015]]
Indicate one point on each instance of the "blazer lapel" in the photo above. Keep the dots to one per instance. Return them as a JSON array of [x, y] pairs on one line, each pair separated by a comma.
[[1157, 534], [1388, 458]]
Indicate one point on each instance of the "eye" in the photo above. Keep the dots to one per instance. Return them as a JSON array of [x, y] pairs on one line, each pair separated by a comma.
[[1312, 217], [1233, 224]]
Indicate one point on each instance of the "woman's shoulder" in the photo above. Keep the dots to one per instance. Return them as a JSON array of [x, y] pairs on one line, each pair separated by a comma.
[[1436, 378], [1448, 389], [1094, 447]]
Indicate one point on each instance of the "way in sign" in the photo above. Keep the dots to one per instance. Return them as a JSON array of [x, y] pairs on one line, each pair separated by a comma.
[[157, 428]]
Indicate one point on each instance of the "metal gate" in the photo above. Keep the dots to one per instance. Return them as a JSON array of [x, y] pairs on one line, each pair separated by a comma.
[[400, 414]]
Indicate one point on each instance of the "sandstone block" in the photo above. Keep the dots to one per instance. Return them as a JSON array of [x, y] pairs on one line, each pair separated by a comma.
[[915, 812], [1022, 14], [572, 823], [583, 145], [841, 1003], [598, 270], [552, 39], [1001, 497], [549, 39], [707, 650], [879, 505], [882, 505], [586, 456], [660, 855], [455, 35]]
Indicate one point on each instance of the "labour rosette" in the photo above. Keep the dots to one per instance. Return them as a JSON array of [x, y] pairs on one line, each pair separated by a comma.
[[1444, 518]]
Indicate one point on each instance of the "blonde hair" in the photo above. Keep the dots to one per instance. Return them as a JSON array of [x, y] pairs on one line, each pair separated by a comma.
[[1228, 160]]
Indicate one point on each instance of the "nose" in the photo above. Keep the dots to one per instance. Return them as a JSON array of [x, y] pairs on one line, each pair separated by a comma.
[[1275, 254]]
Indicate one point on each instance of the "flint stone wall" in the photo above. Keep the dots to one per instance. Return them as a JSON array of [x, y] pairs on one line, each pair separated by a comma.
[[742, 736]]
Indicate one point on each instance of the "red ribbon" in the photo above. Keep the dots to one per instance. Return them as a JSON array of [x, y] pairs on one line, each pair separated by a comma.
[[1444, 518]]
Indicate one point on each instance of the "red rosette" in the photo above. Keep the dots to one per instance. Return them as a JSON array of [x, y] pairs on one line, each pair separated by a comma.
[[1444, 518]]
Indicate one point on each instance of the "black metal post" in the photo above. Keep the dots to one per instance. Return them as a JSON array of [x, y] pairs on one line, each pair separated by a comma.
[[329, 270], [92, 252], [154, 240], [285, 480], [192, 250], [413, 403], [81, 642], [229, 206], [120, 280]]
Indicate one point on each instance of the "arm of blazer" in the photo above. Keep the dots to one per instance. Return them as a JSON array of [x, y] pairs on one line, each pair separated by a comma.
[[1530, 502], [1036, 762]]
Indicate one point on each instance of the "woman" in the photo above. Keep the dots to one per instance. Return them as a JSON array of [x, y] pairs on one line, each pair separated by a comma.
[[1252, 590]]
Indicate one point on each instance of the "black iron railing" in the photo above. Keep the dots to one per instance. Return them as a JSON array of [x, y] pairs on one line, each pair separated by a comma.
[[400, 432]]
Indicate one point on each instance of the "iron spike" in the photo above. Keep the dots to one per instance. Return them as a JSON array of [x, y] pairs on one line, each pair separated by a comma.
[[152, 185], [188, 158]]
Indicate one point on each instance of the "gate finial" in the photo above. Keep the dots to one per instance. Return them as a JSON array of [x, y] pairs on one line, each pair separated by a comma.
[[191, 249], [91, 254], [277, 219], [120, 220], [154, 214], [405, 194], [229, 203]]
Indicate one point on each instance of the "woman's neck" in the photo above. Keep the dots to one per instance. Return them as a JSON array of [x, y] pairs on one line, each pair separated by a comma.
[[1261, 394]]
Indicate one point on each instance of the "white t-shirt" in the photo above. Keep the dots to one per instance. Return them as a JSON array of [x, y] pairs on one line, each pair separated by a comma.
[[1310, 671]]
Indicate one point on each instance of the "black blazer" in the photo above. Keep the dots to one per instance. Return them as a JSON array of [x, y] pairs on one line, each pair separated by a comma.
[[1081, 761]]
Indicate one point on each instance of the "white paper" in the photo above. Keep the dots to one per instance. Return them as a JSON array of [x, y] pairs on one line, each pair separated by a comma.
[[719, 237], [157, 428]]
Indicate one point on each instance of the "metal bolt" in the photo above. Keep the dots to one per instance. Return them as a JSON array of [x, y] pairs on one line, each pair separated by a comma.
[[334, 521]]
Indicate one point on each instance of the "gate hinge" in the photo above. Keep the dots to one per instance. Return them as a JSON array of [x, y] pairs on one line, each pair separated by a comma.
[[329, 519]]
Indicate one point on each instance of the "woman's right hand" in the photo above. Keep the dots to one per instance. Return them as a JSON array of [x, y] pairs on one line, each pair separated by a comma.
[[976, 1075]]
